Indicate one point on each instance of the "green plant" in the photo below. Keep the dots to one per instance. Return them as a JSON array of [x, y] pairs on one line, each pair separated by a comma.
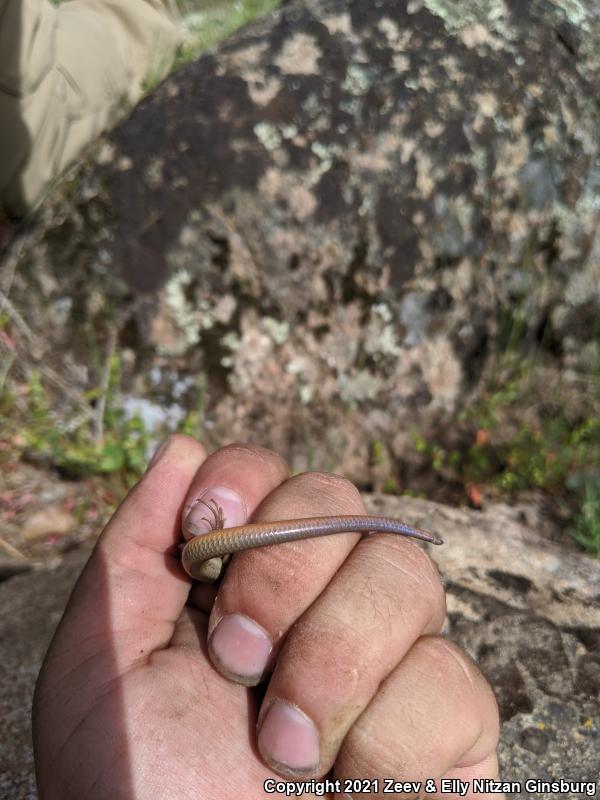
[[586, 528], [380, 458], [502, 393], [441, 458], [209, 22], [193, 422], [546, 457], [122, 447], [510, 451], [103, 440], [390, 486], [379, 453]]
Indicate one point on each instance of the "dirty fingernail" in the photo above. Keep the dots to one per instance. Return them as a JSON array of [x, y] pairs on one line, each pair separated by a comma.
[[201, 519], [240, 649], [288, 739]]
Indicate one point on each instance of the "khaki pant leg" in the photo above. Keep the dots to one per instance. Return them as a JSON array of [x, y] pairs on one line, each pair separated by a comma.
[[66, 74]]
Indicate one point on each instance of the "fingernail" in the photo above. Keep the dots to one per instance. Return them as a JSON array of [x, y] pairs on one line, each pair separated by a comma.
[[200, 519], [240, 649], [288, 739], [159, 452]]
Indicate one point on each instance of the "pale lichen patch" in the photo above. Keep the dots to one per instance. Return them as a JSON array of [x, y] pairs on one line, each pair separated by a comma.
[[268, 135], [299, 55], [302, 202], [270, 184], [582, 288], [106, 153], [278, 330], [164, 333], [338, 24], [390, 29], [456, 17], [401, 63], [576, 13], [261, 89], [551, 136], [425, 179], [357, 80], [433, 129], [224, 308], [407, 148], [488, 103], [486, 108], [476, 35], [372, 160], [246, 58], [511, 156], [153, 174], [359, 387], [450, 101], [441, 369], [124, 163], [276, 186], [453, 69], [185, 317]]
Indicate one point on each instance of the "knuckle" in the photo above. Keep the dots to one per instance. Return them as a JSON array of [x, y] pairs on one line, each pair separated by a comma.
[[183, 442], [305, 647], [444, 655], [334, 487], [366, 752], [255, 452], [182, 439], [275, 572], [456, 667], [247, 449], [408, 560]]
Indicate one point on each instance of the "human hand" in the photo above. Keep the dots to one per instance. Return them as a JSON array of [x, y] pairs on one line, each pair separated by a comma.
[[129, 705]]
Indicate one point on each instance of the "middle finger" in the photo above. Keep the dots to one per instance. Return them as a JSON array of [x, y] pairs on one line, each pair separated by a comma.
[[265, 590], [385, 596]]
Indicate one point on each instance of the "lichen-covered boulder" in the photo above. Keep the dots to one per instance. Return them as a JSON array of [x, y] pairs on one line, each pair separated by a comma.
[[336, 217]]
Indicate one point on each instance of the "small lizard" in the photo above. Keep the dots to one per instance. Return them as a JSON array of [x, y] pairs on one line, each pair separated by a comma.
[[203, 557]]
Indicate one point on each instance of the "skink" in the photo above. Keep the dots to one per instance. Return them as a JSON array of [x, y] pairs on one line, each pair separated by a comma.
[[203, 556]]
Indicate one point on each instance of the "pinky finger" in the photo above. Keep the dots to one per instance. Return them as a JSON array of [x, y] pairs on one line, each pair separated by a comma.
[[434, 717]]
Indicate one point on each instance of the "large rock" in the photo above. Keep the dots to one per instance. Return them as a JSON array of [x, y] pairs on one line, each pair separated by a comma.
[[32, 605], [334, 219], [525, 610]]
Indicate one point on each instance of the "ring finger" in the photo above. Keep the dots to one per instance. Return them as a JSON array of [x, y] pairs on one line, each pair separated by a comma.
[[434, 717], [383, 598]]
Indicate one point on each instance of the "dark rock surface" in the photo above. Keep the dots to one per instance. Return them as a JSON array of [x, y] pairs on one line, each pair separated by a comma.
[[525, 610], [335, 217], [32, 605]]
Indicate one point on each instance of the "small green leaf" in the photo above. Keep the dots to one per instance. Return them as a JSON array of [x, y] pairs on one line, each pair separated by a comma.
[[112, 458]]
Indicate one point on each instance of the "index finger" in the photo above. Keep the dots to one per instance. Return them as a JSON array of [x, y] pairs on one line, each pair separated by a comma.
[[134, 569]]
